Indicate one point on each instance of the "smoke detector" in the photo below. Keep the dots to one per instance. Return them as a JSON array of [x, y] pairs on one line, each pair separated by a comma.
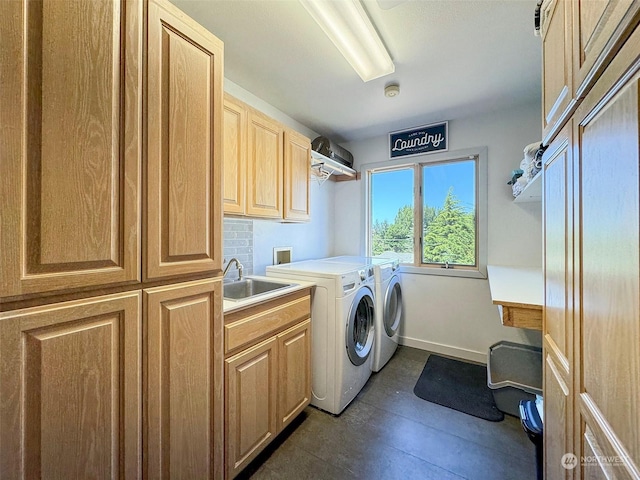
[[392, 90]]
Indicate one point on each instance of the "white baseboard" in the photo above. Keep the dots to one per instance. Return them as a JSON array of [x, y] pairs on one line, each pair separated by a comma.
[[449, 350]]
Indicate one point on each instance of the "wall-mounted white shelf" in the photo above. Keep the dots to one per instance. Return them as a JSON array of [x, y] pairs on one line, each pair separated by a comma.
[[323, 167], [532, 192]]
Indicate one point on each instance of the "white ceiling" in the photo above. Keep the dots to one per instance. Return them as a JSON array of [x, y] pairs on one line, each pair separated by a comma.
[[453, 58]]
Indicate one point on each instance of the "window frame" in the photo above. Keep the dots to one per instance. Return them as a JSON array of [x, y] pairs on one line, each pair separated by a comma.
[[479, 154]]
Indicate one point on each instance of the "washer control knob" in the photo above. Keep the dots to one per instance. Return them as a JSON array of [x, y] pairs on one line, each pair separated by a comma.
[[362, 275]]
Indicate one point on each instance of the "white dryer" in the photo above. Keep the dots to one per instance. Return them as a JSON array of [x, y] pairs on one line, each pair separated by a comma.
[[342, 328], [388, 297]]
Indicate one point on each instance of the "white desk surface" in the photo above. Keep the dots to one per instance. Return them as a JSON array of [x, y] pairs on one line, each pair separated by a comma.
[[516, 285]]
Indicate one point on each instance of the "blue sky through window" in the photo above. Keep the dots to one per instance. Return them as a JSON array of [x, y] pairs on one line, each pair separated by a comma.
[[394, 189]]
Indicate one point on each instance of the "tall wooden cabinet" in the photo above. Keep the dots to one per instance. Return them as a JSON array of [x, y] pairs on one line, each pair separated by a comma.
[[184, 130], [608, 381], [111, 354], [71, 145], [591, 253], [559, 248], [184, 429], [70, 378]]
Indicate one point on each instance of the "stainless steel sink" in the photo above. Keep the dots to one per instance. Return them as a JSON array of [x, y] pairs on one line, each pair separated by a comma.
[[250, 287]]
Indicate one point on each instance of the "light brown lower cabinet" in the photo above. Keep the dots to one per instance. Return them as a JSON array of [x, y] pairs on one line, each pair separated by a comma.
[[183, 436], [70, 382], [251, 398], [268, 383]]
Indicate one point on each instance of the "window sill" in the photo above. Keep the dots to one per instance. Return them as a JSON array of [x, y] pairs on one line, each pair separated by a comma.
[[444, 272]]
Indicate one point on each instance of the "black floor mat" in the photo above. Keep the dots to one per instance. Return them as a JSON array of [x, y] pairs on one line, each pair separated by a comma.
[[458, 385]]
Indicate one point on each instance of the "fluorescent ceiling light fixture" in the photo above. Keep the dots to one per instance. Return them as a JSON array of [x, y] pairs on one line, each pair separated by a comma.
[[347, 25]]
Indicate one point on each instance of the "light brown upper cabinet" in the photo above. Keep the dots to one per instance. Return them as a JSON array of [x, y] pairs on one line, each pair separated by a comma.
[[579, 39], [557, 87], [235, 156], [184, 146], [71, 379], [266, 166], [71, 144], [297, 171], [599, 28]]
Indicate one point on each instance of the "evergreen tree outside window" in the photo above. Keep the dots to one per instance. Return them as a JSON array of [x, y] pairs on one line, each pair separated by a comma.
[[392, 213], [449, 226]]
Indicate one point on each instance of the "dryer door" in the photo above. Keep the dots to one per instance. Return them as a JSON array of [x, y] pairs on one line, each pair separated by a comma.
[[360, 327], [392, 306]]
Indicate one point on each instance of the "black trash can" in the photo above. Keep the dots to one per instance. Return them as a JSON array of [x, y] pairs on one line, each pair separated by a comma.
[[532, 424]]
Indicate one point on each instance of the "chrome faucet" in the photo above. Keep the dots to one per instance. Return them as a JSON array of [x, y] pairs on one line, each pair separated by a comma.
[[238, 266]]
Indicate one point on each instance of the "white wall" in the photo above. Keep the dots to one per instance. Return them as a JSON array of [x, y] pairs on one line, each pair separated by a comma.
[[450, 315], [312, 239]]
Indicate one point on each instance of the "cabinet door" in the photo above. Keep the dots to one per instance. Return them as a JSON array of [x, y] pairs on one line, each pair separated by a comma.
[[294, 372], [70, 380], [264, 167], [599, 27], [297, 171], [558, 248], [183, 431], [608, 137], [235, 156], [250, 404], [557, 94], [71, 115], [184, 145], [557, 422], [558, 309]]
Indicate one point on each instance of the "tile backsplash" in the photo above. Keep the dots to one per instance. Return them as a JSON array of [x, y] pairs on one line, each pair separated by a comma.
[[238, 243]]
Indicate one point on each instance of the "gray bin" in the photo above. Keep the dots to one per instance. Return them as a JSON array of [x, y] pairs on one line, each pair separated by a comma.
[[514, 373]]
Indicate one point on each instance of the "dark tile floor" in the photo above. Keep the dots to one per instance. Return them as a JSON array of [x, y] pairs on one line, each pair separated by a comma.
[[388, 433]]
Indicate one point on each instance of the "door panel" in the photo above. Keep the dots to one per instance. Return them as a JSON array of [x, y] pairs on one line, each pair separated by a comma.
[[598, 30], [78, 403], [184, 208], [183, 434], [235, 156], [294, 367], [297, 171], [558, 249], [70, 192], [610, 331], [264, 167], [556, 65], [557, 422], [250, 404]]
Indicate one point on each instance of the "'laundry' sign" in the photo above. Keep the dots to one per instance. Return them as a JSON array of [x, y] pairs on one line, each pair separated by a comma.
[[419, 140]]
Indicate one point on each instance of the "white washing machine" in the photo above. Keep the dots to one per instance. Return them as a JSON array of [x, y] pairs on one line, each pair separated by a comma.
[[342, 328], [388, 296]]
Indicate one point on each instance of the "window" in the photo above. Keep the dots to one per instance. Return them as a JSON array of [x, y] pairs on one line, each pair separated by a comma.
[[392, 212], [430, 214]]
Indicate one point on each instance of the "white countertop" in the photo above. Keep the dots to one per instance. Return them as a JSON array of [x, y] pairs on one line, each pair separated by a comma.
[[231, 305], [516, 285]]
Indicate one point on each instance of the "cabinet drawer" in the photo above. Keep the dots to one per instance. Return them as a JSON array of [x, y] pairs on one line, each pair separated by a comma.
[[246, 327], [521, 317]]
